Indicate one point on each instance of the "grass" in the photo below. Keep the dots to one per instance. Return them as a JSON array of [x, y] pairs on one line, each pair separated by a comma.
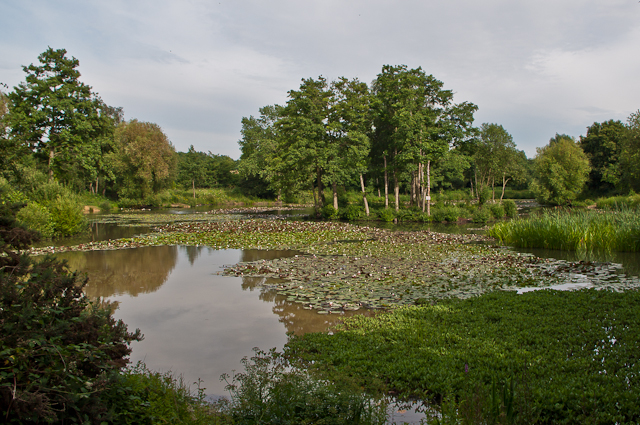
[[619, 202], [582, 231]]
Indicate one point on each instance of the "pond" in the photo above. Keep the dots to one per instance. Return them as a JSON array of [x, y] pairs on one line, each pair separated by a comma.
[[196, 321]]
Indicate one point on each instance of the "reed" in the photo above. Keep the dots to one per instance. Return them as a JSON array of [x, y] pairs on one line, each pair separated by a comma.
[[582, 231]]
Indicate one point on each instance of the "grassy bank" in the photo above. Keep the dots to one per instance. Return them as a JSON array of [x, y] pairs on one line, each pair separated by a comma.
[[581, 231], [555, 357]]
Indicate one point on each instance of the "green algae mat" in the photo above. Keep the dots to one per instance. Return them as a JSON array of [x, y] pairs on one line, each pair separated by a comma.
[[344, 267]]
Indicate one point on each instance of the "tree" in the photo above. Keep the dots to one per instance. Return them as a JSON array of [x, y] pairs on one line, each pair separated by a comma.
[[303, 138], [259, 145], [415, 123], [602, 145], [56, 116], [561, 170], [496, 157], [629, 165], [143, 159]]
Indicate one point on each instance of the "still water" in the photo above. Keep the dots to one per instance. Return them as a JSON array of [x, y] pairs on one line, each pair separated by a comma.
[[196, 322]]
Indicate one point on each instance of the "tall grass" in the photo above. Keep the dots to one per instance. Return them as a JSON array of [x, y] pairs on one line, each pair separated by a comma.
[[619, 202], [581, 231]]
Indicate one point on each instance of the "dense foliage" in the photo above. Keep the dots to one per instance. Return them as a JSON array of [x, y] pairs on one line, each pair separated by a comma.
[[58, 350], [572, 356]]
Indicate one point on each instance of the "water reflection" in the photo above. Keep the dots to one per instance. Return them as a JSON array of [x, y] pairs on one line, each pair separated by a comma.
[[126, 271], [196, 322]]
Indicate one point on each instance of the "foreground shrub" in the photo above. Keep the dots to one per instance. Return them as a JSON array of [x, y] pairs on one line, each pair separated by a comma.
[[58, 350], [271, 392], [140, 396], [582, 231]]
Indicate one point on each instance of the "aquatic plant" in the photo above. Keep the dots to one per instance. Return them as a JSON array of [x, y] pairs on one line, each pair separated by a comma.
[[582, 231], [573, 353]]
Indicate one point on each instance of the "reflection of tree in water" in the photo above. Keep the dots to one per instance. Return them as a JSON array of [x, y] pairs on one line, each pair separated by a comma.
[[295, 318], [124, 271], [193, 252]]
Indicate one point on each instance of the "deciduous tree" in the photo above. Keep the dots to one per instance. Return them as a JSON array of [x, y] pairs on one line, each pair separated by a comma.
[[561, 169]]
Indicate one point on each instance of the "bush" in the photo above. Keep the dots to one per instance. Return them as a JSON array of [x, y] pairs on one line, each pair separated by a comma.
[[67, 217], [329, 213], [59, 350], [351, 213], [484, 196], [481, 215], [38, 218], [497, 210], [438, 214], [270, 392], [387, 215], [510, 208]]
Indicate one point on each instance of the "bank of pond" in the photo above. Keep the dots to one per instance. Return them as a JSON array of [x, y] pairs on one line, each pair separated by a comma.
[[452, 322]]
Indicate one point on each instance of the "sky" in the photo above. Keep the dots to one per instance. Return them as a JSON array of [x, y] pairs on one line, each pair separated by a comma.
[[196, 67]]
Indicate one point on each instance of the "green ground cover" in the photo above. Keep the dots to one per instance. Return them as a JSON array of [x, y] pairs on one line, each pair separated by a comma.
[[572, 356]]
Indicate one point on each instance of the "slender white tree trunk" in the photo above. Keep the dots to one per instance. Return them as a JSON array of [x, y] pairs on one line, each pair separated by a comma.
[[364, 196]]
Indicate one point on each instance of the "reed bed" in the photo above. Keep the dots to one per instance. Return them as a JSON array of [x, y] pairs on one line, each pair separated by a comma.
[[582, 231]]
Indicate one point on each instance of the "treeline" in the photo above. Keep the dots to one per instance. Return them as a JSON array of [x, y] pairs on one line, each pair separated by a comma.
[[55, 125], [405, 134]]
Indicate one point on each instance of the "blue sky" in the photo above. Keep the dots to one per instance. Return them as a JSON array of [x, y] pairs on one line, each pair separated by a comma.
[[197, 67]]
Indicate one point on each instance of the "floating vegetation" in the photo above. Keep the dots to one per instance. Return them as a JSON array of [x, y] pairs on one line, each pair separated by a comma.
[[344, 267]]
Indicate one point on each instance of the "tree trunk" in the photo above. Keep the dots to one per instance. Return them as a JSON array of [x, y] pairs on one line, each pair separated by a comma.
[[427, 198], [504, 184], [475, 173], [396, 189], [413, 188], [364, 196], [52, 154], [193, 183], [493, 190], [320, 188], [97, 180], [315, 199], [335, 195], [386, 184], [279, 195]]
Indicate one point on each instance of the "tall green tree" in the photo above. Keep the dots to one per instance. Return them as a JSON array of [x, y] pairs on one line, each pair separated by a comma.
[[144, 160], [304, 140], [349, 123], [602, 144], [260, 158], [561, 170], [629, 165], [497, 158], [415, 123], [57, 116]]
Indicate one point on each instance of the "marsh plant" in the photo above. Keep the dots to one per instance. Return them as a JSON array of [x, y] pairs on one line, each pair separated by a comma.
[[271, 391], [582, 231]]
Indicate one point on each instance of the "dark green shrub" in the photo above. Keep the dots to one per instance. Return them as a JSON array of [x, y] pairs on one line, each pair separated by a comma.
[[38, 218], [510, 208], [329, 213], [481, 215], [497, 210], [58, 350], [386, 214], [351, 213]]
